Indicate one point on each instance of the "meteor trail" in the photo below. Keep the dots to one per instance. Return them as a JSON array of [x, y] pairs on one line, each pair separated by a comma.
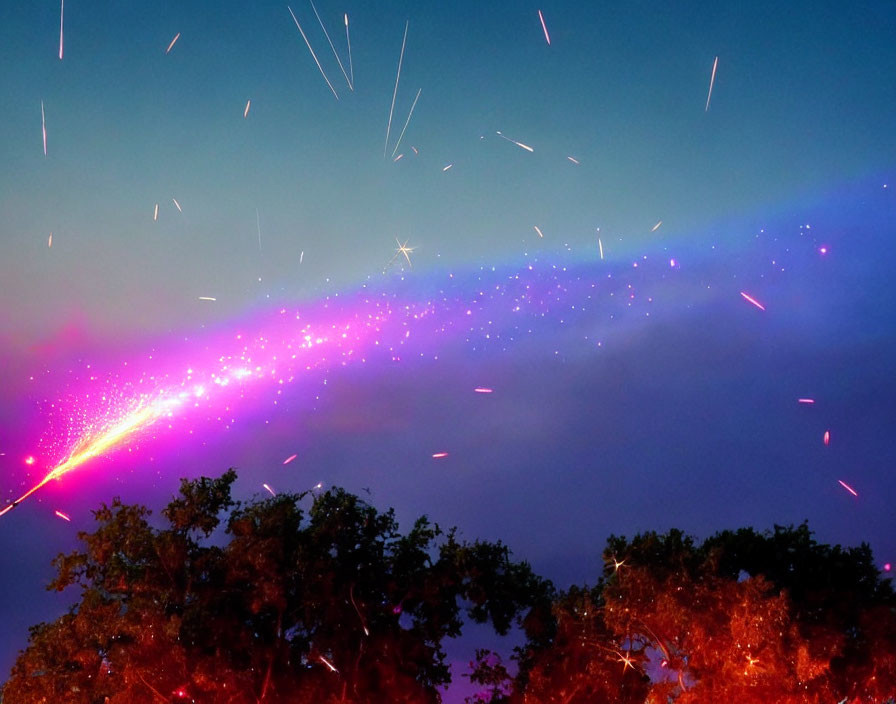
[[712, 80], [406, 122], [173, 41], [327, 35], [313, 55]]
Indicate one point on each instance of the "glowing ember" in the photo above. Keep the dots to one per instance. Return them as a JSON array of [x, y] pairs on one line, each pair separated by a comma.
[[752, 300], [173, 42], [289, 459], [827, 437], [439, 455], [63, 516], [547, 37], [847, 487], [482, 390]]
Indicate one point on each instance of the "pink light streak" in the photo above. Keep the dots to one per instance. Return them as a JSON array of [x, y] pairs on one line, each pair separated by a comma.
[[547, 37], [847, 487], [752, 300]]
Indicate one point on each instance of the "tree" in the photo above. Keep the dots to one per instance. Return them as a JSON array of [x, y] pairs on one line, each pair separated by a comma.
[[332, 605]]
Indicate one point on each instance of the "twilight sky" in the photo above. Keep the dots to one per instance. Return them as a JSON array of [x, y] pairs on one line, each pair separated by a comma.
[[624, 397]]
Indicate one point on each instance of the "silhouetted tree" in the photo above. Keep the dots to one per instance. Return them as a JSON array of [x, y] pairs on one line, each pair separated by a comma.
[[335, 605]]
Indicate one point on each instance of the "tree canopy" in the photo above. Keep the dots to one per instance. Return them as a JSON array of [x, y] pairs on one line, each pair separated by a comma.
[[322, 599]]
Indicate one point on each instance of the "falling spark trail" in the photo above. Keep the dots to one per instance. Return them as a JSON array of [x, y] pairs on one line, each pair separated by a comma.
[[177, 205], [847, 487], [155, 213], [482, 390], [712, 80], [447, 167], [519, 144], [301, 256], [656, 227], [827, 437], [545, 28], [63, 516], [289, 459], [173, 42], [573, 159], [600, 246], [61, 19], [398, 157], [207, 298], [752, 300], [50, 241], [413, 105], [538, 231], [327, 35], [270, 491], [805, 400], [439, 455], [43, 125], [328, 663], [313, 55], [395, 92], [351, 68], [246, 111]]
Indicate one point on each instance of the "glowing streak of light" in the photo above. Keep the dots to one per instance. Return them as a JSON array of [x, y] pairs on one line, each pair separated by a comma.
[[270, 491], [519, 144], [413, 105], [415, 150], [289, 459], [246, 111], [482, 390], [313, 55], [573, 160], [351, 68], [63, 516], [43, 125], [752, 300], [600, 246], [547, 37], [398, 158], [712, 80], [805, 400], [445, 168], [656, 227], [827, 437], [207, 298], [328, 664], [301, 256], [155, 213], [439, 455], [538, 231], [177, 205], [395, 92], [327, 35], [50, 241], [173, 42], [61, 18], [847, 487], [139, 419]]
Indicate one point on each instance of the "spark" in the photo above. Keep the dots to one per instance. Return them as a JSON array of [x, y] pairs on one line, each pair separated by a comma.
[[289, 459], [173, 41], [313, 55], [351, 69], [395, 92], [405, 250], [61, 18], [29, 460], [482, 390], [600, 246], [519, 144], [327, 35], [573, 160], [439, 455], [177, 205], [627, 660], [415, 150], [140, 418], [399, 157], [827, 437], [328, 664], [712, 80], [617, 564], [63, 516], [805, 400], [656, 227], [847, 487], [155, 213], [752, 300], [445, 168], [545, 28], [406, 122], [270, 491], [246, 111], [538, 231], [43, 125], [207, 298], [50, 240], [301, 256]]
